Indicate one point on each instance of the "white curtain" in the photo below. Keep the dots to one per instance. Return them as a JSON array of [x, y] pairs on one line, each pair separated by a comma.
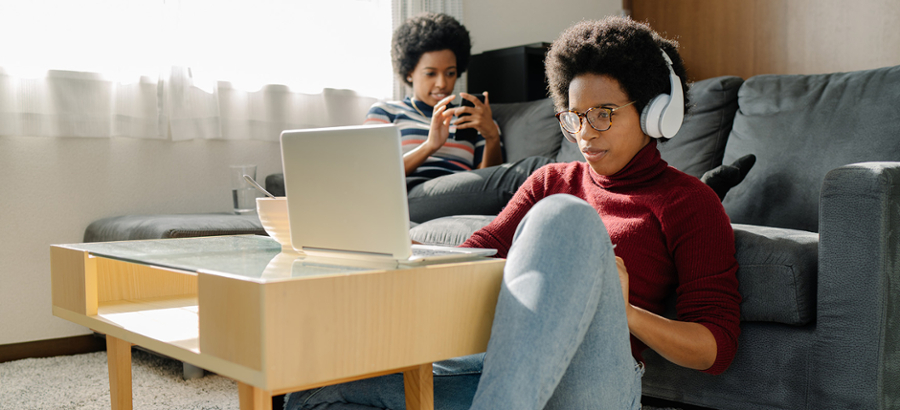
[[404, 9], [228, 112], [76, 104], [85, 68], [186, 69]]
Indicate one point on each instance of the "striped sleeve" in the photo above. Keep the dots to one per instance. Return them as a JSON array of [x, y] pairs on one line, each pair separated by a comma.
[[454, 156], [380, 113]]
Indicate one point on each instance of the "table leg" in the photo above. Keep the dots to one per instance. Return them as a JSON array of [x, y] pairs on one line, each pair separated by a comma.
[[254, 398], [419, 388], [118, 358]]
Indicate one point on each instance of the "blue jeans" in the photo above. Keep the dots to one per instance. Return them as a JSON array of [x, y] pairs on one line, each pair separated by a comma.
[[559, 339]]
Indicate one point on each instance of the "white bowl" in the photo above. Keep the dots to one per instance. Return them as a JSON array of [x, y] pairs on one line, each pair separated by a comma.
[[273, 216]]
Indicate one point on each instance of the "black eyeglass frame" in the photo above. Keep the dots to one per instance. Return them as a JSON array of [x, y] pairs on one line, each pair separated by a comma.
[[582, 117]]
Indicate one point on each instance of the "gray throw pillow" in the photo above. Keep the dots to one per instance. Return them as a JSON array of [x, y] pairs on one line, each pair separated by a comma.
[[700, 143], [449, 230], [529, 129]]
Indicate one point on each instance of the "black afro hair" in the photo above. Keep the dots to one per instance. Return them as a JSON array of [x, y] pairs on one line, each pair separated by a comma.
[[428, 32], [619, 47]]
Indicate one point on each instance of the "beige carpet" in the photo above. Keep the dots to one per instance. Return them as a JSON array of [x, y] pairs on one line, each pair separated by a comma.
[[81, 382]]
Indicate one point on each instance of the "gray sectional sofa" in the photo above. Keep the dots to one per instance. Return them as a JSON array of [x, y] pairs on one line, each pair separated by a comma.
[[816, 225]]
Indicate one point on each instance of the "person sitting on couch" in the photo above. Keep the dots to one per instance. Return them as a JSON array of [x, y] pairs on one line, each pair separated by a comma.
[[594, 249], [429, 52]]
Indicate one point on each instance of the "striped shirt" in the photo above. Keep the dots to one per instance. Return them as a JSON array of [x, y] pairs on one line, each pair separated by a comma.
[[454, 156]]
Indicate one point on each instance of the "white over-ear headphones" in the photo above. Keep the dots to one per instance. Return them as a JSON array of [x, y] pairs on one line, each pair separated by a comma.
[[663, 115]]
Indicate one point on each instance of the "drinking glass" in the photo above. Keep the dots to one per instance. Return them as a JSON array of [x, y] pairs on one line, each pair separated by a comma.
[[243, 194]]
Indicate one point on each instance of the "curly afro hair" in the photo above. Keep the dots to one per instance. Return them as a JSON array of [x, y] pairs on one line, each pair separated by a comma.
[[428, 32], [619, 47]]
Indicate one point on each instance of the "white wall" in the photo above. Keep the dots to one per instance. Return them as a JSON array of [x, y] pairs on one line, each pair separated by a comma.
[[497, 24], [52, 188]]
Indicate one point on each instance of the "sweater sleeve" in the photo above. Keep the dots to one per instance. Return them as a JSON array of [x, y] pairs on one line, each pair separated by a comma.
[[499, 233], [701, 239]]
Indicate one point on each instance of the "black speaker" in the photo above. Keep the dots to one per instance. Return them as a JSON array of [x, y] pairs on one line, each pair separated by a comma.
[[514, 74]]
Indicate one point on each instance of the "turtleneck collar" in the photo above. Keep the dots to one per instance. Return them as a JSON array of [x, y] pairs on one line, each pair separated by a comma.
[[646, 165]]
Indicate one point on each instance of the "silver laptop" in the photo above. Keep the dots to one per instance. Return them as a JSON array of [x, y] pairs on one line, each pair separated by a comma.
[[346, 196]]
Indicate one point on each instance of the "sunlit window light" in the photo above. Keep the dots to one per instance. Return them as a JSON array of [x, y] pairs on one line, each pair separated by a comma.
[[303, 44]]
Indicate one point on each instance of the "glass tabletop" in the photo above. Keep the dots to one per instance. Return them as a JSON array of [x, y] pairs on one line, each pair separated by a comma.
[[250, 257]]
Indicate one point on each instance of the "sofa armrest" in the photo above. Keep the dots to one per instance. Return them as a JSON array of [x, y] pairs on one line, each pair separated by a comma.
[[136, 227], [857, 351]]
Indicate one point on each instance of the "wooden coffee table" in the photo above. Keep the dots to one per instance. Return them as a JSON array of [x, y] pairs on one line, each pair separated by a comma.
[[274, 322]]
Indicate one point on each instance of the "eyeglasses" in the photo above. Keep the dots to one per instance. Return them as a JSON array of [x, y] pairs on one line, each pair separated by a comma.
[[600, 118]]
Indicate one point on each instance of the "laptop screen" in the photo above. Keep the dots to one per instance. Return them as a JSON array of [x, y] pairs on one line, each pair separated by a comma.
[[346, 191]]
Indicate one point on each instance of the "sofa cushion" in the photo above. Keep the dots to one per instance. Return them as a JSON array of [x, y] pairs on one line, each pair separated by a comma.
[[777, 274], [800, 127], [529, 129], [449, 230], [133, 227], [568, 151], [700, 143]]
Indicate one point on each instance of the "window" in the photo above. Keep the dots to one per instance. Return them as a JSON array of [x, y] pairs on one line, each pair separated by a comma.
[[200, 68]]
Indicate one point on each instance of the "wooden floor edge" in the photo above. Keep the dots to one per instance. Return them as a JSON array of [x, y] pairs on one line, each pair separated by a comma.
[[52, 347]]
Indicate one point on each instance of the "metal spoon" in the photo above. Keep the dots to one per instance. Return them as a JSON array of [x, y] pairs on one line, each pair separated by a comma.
[[258, 186]]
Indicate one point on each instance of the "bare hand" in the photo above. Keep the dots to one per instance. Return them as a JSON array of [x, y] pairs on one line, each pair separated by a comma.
[[480, 117], [623, 278], [440, 124]]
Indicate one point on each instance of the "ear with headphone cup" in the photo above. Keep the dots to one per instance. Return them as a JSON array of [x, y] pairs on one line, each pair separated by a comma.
[[651, 115], [663, 115]]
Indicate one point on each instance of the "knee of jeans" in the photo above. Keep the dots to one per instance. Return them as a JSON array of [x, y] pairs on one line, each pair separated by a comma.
[[566, 209], [564, 213]]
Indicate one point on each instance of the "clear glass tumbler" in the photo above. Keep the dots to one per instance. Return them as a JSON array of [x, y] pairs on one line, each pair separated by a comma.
[[242, 192]]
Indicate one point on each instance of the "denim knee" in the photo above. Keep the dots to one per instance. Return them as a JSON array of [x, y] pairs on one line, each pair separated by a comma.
[[565, 212]]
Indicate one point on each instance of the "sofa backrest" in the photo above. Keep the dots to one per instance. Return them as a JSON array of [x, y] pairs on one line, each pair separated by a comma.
[[528, 129], [802, 126], [700, 143]]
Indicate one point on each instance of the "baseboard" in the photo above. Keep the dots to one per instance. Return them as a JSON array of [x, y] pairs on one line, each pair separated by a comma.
[[52, 347], [660, 403]]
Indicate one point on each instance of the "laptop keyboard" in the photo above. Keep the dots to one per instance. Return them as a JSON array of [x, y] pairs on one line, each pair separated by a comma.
[[420, 252]]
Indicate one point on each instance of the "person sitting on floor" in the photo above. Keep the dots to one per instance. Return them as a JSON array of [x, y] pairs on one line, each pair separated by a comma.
[[593, 250]]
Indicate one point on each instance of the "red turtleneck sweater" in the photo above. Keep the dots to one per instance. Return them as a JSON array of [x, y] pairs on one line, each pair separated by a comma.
[[668, 227]]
